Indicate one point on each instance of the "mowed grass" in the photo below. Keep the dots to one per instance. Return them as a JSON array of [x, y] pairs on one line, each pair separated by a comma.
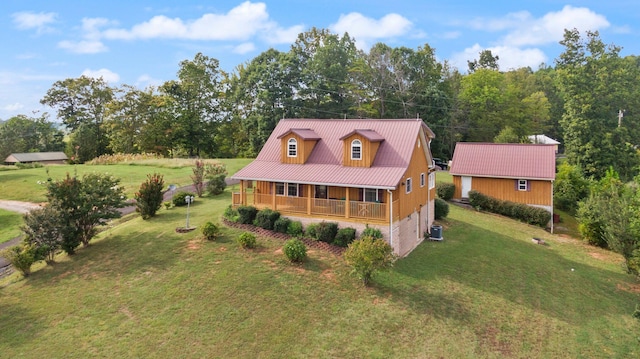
[[9, 225], [28, 184], [486, 291]]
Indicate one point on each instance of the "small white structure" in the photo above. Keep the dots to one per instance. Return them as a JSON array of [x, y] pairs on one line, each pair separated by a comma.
[[543, 140]]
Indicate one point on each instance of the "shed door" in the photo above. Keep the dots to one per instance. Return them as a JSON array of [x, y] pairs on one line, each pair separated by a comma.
[[466, 186]]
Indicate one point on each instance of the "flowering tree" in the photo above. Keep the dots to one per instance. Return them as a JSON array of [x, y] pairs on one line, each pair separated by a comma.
[[149, 197]]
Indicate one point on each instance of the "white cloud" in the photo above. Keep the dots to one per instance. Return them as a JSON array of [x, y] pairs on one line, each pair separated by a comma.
[[550, 28], [106, 74], [366, 30], [283, 36], [509, 57], [83, 46], [29, 20], [12, 107], [240, 23], [145, 80], [244, 48]]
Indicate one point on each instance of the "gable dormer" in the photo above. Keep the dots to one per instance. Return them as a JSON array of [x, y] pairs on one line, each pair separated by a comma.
[[297, 144], [359, 148]]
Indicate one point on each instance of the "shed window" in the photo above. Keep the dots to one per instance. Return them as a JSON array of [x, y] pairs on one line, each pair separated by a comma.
[[356, 150], [523, 185], [292, 148]]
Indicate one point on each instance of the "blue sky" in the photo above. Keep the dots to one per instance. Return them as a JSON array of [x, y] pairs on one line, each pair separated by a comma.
[[141, 43]]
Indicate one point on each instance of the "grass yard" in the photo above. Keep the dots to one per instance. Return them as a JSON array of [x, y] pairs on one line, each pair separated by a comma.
[[9, 225], [26, 184], [486, 291]]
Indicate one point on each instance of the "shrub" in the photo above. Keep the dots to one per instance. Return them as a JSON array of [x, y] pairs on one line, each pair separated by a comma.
[[216, 184], [345, 236], [519, 211], [295, 229], [246, 214], [281, 225], [368, 255], [21, 165], [311, 231], [149, 197], [43, 230], [266, 218], [441, 208], [445, 190], [178, 198], [295, 250], [211, 231], [371, 232], [198, 177], [231, 214], [326, 231], [21, 257], [569, 188], [247, 240], [590, 223]]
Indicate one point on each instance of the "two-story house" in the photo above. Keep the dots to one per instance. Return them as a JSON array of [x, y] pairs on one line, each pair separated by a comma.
[[355, 172]]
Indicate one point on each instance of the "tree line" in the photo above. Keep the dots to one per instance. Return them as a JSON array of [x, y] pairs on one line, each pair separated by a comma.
[[587, 100]]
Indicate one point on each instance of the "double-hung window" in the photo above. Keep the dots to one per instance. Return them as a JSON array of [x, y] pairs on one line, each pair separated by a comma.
[[356, 150], [292, 148]]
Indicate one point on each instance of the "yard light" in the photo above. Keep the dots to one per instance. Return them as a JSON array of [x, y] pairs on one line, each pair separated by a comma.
[[189, 200]]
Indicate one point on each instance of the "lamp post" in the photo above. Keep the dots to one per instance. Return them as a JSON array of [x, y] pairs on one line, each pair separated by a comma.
[[189, 200]]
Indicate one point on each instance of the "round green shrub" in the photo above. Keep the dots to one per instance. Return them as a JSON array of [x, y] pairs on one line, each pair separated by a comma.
[[371, 232], [445, 190], [281, 225], [295, 250], [311, 230], [231, 214], [247, 240], [326, 231], [178, 198], [211, 231], [266, 218], [247, 214], [345, 236], [295, 229], [441, 208]]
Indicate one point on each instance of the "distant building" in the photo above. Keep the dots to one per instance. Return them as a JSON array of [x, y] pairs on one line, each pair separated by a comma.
[[543, 140], [40, 157]]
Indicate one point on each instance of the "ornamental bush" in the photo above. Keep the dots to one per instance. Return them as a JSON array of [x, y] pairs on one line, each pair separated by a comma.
[[368, 255], [178, 198], [295, 250], [445, 190], [246, 214], [441, 208], [231, 214], [149, 196], [295, 229], [21, 257], [247, 240], [326, 231], [371, 232], [345, 236], [281, 225], [266, 218], [211, 231], [519, 211], [311, 231]]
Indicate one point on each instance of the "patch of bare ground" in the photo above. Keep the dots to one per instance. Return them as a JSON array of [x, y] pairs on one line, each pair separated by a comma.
[[194, 244], [329, 274], [630, 288], [489, 340]]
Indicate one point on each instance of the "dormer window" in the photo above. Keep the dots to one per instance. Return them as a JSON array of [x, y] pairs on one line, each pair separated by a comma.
[[292, 148], [356, 150]]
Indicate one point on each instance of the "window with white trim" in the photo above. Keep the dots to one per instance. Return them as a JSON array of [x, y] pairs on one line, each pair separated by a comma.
[[523, 185], [292, 148], [292, 189], [279, 189], [408, 185], [422, 180], [356, 150], [371, 195], [432, 180]]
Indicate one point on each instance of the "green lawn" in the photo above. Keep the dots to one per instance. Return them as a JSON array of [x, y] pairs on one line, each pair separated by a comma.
[[486, 291], [9, 225], [27, 184]]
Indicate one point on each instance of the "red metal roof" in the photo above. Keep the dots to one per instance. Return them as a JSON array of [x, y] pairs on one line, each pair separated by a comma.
[[304, 133], [504, 160], [324, 165], [370, 135]]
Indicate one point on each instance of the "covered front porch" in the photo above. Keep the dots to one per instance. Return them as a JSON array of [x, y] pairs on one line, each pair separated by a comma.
[[318, 201]]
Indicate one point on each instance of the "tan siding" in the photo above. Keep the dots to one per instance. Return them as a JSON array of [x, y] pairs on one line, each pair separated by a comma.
[[304, 149], [336, 192], [457, 181], [505, 189], [369, 150], [409, 203]]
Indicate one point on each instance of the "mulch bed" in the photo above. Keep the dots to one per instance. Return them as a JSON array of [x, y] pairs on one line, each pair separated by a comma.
[[282, 236]]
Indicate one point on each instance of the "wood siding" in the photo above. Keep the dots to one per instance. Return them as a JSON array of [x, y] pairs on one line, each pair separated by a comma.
[[412, 202], [539, 192], [304, 149], [369, 150]]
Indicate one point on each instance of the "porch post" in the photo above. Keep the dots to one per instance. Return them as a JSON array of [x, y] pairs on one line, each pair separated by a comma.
[[347, 204], [243, 195], [386, 213], [273, 195], [309, 199]]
